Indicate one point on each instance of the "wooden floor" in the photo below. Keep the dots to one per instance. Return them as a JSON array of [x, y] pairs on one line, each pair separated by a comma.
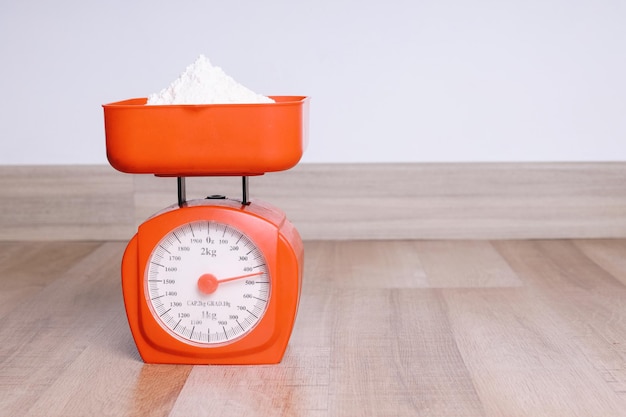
[[385, 328]]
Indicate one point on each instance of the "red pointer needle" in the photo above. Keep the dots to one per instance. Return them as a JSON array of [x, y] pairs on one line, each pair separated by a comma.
[[208, 283]]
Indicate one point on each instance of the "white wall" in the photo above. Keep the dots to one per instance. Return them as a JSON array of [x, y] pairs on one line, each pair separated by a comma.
[[414, 80]]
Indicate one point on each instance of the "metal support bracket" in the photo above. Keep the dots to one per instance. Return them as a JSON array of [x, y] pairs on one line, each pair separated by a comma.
[[244, 191], [182, 191]]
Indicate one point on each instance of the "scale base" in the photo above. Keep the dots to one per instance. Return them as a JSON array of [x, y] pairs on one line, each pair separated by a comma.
[[282, 247]]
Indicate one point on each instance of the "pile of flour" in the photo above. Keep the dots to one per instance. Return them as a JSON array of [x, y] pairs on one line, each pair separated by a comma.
[[203, 83]]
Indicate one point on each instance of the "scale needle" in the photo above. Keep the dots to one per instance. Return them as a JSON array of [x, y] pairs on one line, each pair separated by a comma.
[[208, 283]]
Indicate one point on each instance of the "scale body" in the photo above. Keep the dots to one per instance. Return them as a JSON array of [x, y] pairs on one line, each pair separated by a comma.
[[215, 280], [173, 321]]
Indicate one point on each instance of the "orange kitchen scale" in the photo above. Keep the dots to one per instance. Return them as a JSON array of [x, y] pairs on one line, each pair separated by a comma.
[[214, 280]]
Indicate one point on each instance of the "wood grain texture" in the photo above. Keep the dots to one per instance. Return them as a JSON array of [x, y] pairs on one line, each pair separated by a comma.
[[65, 202], [456, 201], [403, 328], [476, 264], [336, 201], [608, 254]]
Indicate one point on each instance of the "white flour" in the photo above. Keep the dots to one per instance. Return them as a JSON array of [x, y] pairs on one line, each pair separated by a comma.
[[202, 83]]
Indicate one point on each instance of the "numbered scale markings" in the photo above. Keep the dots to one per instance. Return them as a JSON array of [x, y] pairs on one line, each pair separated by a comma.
[[207, 283]]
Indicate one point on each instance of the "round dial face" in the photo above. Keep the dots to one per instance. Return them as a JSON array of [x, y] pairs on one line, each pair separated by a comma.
[[207, 283]]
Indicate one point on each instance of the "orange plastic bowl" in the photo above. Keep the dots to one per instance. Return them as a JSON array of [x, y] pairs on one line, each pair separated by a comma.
[[206, 139]]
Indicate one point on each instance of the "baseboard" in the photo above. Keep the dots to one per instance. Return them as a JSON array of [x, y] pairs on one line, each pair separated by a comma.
[[336, 201]]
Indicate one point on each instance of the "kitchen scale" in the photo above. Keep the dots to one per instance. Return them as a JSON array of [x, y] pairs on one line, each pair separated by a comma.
[[213, 280]]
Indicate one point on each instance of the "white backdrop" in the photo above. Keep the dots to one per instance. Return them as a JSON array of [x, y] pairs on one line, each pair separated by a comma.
[[394, 81]]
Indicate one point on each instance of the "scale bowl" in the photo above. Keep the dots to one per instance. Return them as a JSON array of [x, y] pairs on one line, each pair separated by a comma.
[[206, 139]]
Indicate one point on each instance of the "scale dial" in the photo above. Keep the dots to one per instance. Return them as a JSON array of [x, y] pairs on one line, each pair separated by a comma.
[[207, 283]]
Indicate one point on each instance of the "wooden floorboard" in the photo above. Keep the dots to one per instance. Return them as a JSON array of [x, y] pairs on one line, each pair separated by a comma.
[[386, 327], [335, 201]]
